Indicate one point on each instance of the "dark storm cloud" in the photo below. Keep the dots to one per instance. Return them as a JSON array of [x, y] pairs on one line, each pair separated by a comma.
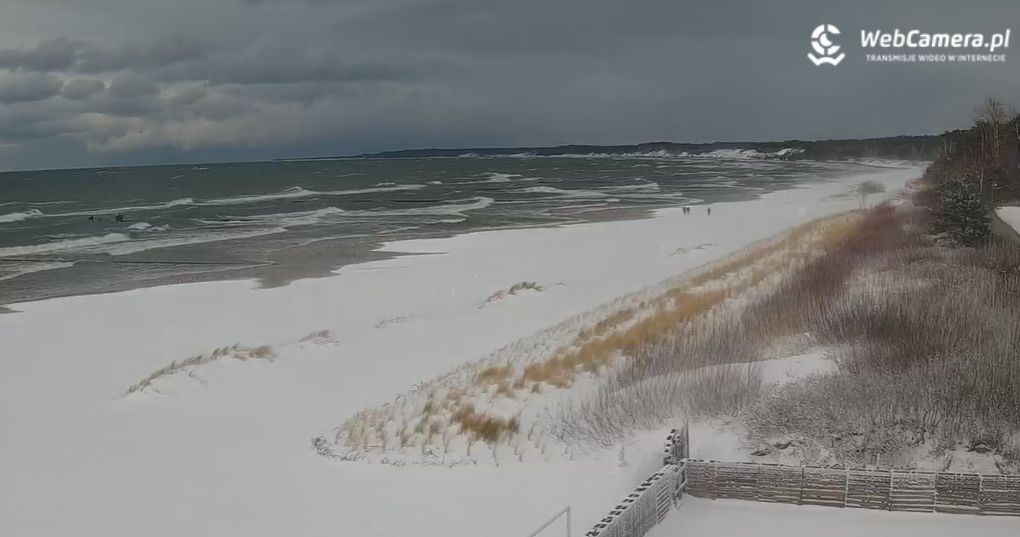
[[18, 88], [81, 88], [49, 55], [140, 56], [186, 97], [123, 81]]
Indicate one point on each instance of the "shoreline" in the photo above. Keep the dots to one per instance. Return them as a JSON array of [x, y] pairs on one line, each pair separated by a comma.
[[208, 446], [316, 258], [312, 260]]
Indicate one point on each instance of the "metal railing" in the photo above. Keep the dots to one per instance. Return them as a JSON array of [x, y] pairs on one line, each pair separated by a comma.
[[560, 513]]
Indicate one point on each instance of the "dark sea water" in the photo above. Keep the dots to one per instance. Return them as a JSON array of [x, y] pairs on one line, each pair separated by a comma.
[[60, 234]]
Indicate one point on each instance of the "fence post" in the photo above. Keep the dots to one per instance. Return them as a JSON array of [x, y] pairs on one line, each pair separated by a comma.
[[687, 441], [888, 499], [757, 484], [935, 494], [800, 496], [981, 491], [846, 486], [715, 480]]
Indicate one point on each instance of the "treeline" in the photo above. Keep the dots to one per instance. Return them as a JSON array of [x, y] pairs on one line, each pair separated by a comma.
[[977, 168], [895, 147], [924, 147]]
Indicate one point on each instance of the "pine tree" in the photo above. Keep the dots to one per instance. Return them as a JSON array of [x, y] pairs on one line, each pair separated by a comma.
[[960, 213]]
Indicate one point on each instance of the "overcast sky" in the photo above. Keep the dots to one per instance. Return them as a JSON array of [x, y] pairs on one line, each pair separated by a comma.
[[101, 82]]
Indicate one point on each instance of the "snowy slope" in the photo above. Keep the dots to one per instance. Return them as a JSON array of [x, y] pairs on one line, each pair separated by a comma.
[[227, 450]]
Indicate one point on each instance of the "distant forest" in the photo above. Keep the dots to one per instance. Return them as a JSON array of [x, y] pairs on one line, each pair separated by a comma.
[[925, 147]]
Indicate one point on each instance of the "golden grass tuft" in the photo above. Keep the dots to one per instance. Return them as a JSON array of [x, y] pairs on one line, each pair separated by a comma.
[[493, 375], [480, 425], [513, 290], [596, 347], [620, 335], [236, 351]]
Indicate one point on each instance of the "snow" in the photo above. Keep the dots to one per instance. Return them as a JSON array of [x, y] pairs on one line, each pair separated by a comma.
[[228, 451], [1011, 216], [734, 517]]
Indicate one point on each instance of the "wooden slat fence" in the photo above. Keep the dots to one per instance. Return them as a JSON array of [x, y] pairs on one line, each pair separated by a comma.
[[865, 488], [653, 499]]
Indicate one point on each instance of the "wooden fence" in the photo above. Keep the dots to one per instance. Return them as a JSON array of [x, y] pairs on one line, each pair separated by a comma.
[[653, 499], [866, 488]]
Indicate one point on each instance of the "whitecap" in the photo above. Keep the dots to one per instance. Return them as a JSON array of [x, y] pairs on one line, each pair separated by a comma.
[[291, 192], [579, 193], [130, 209], [28, 268], [64, 246], [19, 216]]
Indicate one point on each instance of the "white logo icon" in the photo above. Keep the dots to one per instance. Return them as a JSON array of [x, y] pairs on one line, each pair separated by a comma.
[[824, 46]]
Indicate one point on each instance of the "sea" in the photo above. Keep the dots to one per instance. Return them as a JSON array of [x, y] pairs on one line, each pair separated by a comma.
[[82, 231]]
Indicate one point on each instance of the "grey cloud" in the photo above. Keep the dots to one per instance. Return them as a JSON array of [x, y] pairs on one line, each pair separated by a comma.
[[187, 96], [132, 86], [292, 77], [49, 55], [81, 88], [218, 108], [131, 55], [28, 88], [77, 55]]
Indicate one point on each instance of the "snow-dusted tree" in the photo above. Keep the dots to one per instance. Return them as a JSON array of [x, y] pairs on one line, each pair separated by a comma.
[[868, 188], [960, 213]]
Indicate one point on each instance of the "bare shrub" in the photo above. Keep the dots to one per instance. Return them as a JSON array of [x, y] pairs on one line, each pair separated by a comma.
[[868, 188], [616, 411], [933, 363]]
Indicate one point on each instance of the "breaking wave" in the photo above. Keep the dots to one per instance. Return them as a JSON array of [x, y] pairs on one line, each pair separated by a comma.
[[292, 192], [23, 215], [579, 193], [68, 245]]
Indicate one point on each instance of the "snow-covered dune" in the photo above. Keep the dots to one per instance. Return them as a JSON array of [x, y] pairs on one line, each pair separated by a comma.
[[226, 448], [1011, 216]]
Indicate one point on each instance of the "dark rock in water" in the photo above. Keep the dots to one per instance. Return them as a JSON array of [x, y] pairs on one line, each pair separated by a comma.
[[761, 451]]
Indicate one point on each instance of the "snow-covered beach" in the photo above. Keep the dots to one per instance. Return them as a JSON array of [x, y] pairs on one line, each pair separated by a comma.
[[227, 450]]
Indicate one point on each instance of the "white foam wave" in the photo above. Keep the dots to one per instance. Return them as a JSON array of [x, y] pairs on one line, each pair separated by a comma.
[[147, 227], [496, 177], [647, 186], [453, 208], [299, 192], [292, 192], [9, 273], [19, 216], [292, 219], [393, 188], [183, 239], [83, 244], [130, 209], [578, 193]]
